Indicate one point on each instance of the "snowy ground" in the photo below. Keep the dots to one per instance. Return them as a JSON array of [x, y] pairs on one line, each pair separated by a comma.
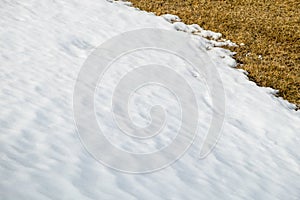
[[43, 46]]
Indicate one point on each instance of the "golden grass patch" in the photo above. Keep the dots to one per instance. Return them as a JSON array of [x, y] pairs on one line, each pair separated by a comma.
[[270, 30]]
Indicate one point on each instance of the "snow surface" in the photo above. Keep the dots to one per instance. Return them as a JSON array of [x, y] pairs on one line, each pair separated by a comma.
[[43, 46]]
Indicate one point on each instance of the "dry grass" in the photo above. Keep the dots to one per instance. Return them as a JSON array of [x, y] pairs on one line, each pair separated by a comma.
[[270, 28]]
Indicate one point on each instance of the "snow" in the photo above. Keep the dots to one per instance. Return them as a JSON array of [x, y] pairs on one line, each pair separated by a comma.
[[43, 47], [171, 18]]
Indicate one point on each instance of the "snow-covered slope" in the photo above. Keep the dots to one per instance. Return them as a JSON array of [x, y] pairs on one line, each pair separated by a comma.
[[43, 45]]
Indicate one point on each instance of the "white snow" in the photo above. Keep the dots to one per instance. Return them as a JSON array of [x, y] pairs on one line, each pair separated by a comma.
[[43, 46], [171, 18]]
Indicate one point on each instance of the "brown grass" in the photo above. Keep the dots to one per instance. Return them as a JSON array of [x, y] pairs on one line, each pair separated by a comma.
[[270, 28]]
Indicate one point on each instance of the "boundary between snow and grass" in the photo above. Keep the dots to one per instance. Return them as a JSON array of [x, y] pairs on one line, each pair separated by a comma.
[[214, 40], [267, 35]]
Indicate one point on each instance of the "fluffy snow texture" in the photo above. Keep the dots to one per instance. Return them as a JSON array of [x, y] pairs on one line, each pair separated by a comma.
[[43, 45]]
